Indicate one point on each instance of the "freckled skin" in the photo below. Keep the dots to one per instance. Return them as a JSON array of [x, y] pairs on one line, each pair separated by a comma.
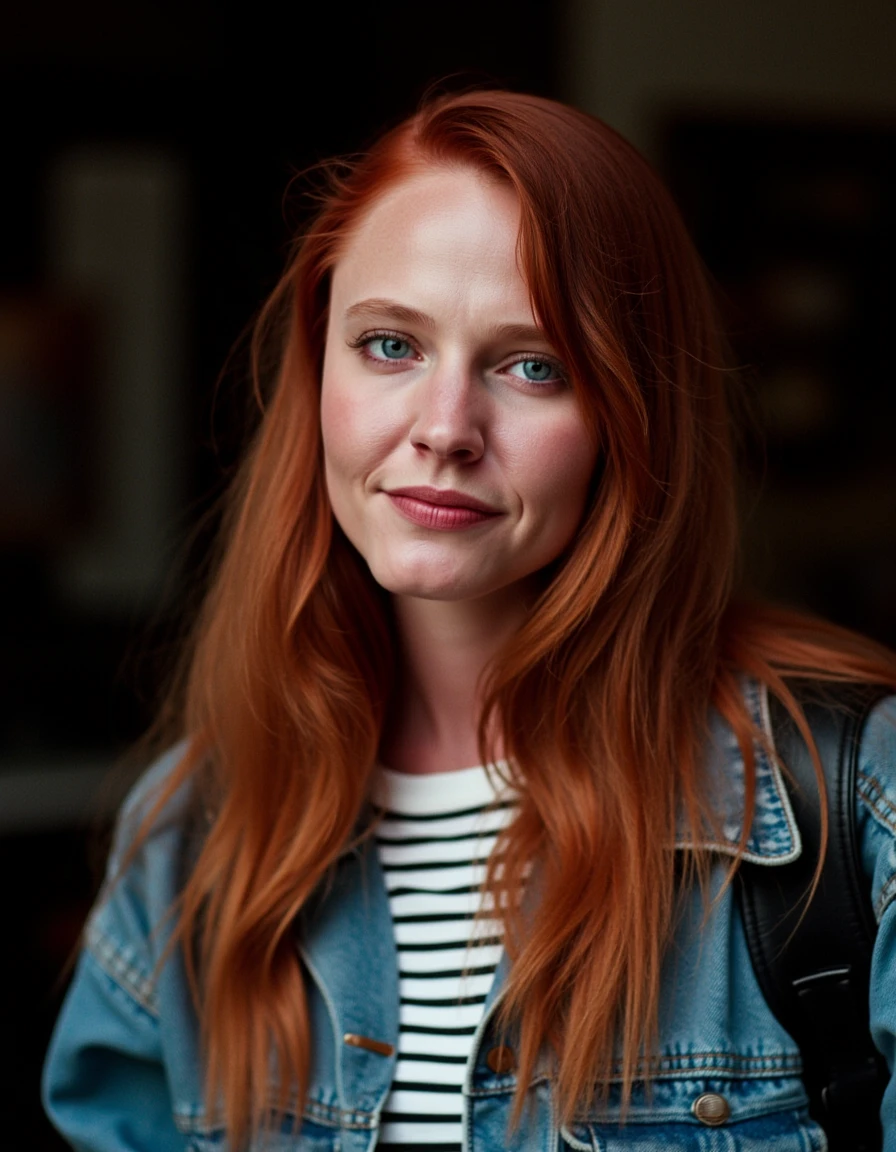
[[433, 269]]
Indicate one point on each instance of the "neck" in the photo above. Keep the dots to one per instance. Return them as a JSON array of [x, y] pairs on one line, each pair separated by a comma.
[[445, 647]]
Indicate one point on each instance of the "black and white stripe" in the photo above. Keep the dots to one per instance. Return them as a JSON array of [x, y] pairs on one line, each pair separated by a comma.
[[434, 840]]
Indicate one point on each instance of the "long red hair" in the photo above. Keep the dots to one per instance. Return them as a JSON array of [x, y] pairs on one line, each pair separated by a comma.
[[603, 695]]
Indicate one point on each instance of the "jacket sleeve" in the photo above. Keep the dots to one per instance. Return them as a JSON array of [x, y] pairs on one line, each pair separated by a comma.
[[104, 1084], [877, 827], [106, 1080]]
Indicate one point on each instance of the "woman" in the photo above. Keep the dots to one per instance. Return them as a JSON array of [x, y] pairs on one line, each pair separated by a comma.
[[488, 519]]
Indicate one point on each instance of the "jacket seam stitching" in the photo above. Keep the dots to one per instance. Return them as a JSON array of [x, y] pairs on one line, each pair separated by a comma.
[[726, 1063], [871, 792], [123, 972], [194, 1121], [885, 899]]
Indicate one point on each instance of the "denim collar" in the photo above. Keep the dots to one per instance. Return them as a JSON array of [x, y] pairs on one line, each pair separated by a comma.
[[774, 837]]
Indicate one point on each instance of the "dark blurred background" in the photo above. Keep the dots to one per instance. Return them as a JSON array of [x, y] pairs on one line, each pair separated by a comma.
[[147, 148]]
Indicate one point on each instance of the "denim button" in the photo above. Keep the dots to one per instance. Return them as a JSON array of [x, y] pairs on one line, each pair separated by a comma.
[[501, 1059], [711, 1109]]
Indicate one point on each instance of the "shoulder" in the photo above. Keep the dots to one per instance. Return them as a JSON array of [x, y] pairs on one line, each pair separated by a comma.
[[158, 834], [158, 819], [878, 751], [122, 1055], [773, 836], [876, 802]]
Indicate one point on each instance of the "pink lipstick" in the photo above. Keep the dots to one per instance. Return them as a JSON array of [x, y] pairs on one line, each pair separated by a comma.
[[441, 508]]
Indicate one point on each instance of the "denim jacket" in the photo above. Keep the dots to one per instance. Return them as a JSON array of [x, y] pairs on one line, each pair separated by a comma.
[[123, 1073]]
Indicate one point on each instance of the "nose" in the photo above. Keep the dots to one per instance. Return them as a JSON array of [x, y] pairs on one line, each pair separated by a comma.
[[449, 420]]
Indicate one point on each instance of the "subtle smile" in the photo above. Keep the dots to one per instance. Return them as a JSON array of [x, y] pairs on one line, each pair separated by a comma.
[[441, 508]]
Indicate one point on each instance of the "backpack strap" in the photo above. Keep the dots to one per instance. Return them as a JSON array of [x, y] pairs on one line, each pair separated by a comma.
[[813, 960]]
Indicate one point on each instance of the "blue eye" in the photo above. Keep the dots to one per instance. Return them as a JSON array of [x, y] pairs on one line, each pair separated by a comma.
[[389, 348], [537, 371]]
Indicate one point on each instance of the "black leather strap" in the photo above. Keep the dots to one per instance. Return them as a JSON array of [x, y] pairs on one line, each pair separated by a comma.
[[813, 960]]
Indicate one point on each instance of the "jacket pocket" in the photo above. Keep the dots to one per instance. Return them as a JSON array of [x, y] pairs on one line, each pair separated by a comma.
[[311, 1137], [705, 1116]]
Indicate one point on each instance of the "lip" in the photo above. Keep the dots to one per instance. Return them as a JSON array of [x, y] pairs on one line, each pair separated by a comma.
[[445, 498], [440, 509]]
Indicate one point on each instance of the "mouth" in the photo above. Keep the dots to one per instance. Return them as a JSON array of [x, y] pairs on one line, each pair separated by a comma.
[[441, 508], [445, 498]]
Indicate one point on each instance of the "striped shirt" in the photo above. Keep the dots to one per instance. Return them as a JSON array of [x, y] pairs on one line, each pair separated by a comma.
[[433, 841]]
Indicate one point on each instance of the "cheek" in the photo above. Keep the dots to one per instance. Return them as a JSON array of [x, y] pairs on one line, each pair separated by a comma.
[[340, 455], [347, 432], [358, 433], [336, 424], [558, 465]]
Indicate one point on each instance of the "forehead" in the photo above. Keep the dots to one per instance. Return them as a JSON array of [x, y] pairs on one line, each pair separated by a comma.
[[445, 228], [438, 191]]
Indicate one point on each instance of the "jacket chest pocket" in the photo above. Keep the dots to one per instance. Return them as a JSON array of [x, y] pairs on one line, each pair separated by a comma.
[[310, 1137], [716, 1116]]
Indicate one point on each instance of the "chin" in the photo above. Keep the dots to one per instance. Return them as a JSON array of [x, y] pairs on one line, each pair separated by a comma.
[[431, 585], [431, 589]]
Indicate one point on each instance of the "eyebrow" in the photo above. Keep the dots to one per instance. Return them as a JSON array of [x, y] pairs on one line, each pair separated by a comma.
[[379, 307]]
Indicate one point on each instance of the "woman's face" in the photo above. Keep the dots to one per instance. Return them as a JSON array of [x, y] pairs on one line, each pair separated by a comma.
[[457, 460]]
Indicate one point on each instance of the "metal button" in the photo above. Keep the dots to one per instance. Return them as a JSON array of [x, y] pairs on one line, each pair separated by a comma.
[[501, 1059], [711, 1109]]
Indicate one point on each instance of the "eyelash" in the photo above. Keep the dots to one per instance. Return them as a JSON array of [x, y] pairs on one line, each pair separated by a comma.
[[361, 343]]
